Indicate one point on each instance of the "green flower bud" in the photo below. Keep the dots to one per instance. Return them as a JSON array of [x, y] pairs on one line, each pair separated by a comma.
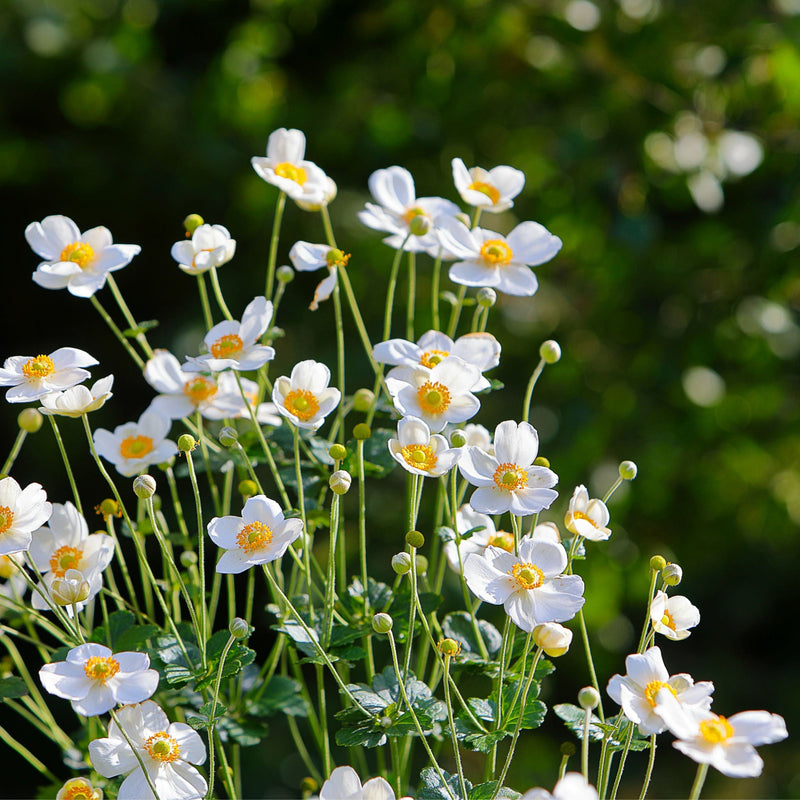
[[588, 698], [628, 470], [422, 564], [382, 623], [284, 274], [239, 628], [672, 574], [362, 431], [363, 400], [228, 436], [308, 786], [541, 461], [458, 438], [657, 563], [550, 351], [340, 481], [247, 488], [415, 539], [338, 452], [486, 297], [401, 563], [144, 486], [186, 443], [192, 223], [568, 749], [29, 420], [419, 225], [449, 647], [188, 558]]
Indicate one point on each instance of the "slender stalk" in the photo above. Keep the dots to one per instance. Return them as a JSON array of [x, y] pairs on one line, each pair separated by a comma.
[[65, 459], [435, 278], [201, 557], [330, 587], [650, 762], [455, 312], [218, 294], [646, 627], [212, 485], [526, 403], [700, 779], [12, 456], [590, 661], [20, 748], [362, 547], [273, 244], [129, 318], [307, 540], [203, 292], [451, 721], [622, 759], [412, 294], [587, 720], [390, 289], [123, 340], [212, 726]]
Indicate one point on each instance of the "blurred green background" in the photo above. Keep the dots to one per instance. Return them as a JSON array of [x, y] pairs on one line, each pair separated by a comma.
[[660, 141]]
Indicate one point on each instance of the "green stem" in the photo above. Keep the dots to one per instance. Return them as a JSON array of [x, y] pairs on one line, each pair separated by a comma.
[[65, 459], [412, 292], [273, 244], [700, 779], [435, 278], [650, 762], [453, 736], [590, 661], [623, 758], [455, 312], [307, 540], [201, 288], [526, 403], [135, 751], [129, 318], [218, 294], [201, 556], [124, 341], [212, 726], [6, 737], [12, 456]]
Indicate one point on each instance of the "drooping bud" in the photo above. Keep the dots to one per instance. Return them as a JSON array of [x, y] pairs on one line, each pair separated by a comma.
[[550, 351], [186, 443], [415, 539], [657, 563], [382, 623], [239, 628], [340, 481], [449, 647], [486, 297], [363, 400], [401, 563], [29, 420], [553, 638], [71, 589], [228, 436], [362, 431], [284, 274], [672, 574], [588, 698], [247, 488], [144, 486], [191, 223], [628, 470], [338, 452]]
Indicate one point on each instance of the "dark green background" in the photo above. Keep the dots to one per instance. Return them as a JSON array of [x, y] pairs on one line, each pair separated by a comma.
[[132, 114]]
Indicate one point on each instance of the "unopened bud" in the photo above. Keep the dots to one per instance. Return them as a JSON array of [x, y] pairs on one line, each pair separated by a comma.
[[71, 589], [239, 628], [672, 574], [458, 438], [419, 225], [363, 400], [340, 481], [541, 461], [422, 564], [550, 351], [308, 786], [415, 539], [144, 486], [188, 558], [401, 563], [186, 443], [284, 274], [338, 452], [486, 297], [553, 638], [382, 623], [29, 420], [657, 563], [588, 698], [449, 647], [568, 749], [192, 222], [228, 436], [362, 431], [628, 470], [247, 488]]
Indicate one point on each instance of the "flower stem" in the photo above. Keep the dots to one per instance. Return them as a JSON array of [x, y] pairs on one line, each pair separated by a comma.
[[450, 719], [412, 291], [117, 332], [64, 457], [129, 318], [203, 292], [650, 762], [273, 244], [136, 753], [218, 294], [212, 725], [201, 558], [700, 779], [526, 403]]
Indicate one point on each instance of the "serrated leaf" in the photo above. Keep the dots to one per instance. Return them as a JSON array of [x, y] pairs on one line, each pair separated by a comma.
[[483, 742], [574, 717], [360, 736], [434, 789], [246, 733], [12, 687], [486, 791]]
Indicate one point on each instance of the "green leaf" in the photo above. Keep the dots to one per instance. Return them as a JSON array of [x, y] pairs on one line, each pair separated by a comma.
[[12, 687], [458, 626], [483, 742], [573, 718], [486, 791], [281, 694], [246, 733], [206, 717], [142, 327], [378, 460], [434, 789]]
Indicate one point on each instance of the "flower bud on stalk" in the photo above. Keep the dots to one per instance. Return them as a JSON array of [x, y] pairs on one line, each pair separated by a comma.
[[672, 574], [415, 539], [191, 223], [362, 431], [247, 488], [550, 351], [340, 481], [71, 589], [420, 225], [338, 452], [541, 461], [588, 698], [657, 563], [628, 470], [228, 436], [458, 438], [239, 628], [422, 564], [401, 563], [382, 623], [363, 400], [144, 486], [186, 443], [284, 274], [449, 647], [486, 297], [30, 420], [553, 638], [188, 558]]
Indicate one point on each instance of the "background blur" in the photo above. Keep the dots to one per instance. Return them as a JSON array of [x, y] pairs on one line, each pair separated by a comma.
[[660, 142]]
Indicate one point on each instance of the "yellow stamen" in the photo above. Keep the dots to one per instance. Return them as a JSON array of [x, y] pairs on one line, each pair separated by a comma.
[[430, 358], [410, 213], [433, 397], [336, 258], [78, 789], [575, 515], [302, 404], [503, 540], [716, 730], [135, 446], [668, 620], [653, 688], [199, 389], [510, 477], [78, 253], [419, 456], [255, 536], [527, 575], [38, 368], [6, 518], [65, 558], [162, 747], [291, 172], [486, 188], [227, 346], [7, 568], [101, 668], [496, 252]]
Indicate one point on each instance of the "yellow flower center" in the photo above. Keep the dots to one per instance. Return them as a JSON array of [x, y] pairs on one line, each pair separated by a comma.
[[336, 258], [255, 536], [653, 688], [502, 539], [101, 668], [434, 398], [6, 518], [510, 477], [65, 558], [668, 620], [419, 456], [7, 569], [527, 575], [496, 252], [301, 403], [410, 213], [486, 188], [78, 253], [162, 747], [716, 730], [77, 789], [38, 368], [430, 358], [135, 446], [199, 389], [227, 346], [291, 172]]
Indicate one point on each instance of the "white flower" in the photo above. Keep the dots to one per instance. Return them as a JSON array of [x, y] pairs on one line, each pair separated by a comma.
[[307, 257], [344, 784], [587, 518], [305, 398], [79, 789], [259, 536], [530, 586], [727, 744], [135, 445], [439, 394], [210, 246], [65, 544], [167, 750], [419, 452], [285, 168], [32, 377], [78, 400], [21, 512], [79, 262], [398, 205], [329, 191], [673, 616], [508, 479], [481, 350], [573, 786], [493, 190], [234, 345], [499, 262], [95, 680], [468, 519], [646, 675], [478, 436]]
